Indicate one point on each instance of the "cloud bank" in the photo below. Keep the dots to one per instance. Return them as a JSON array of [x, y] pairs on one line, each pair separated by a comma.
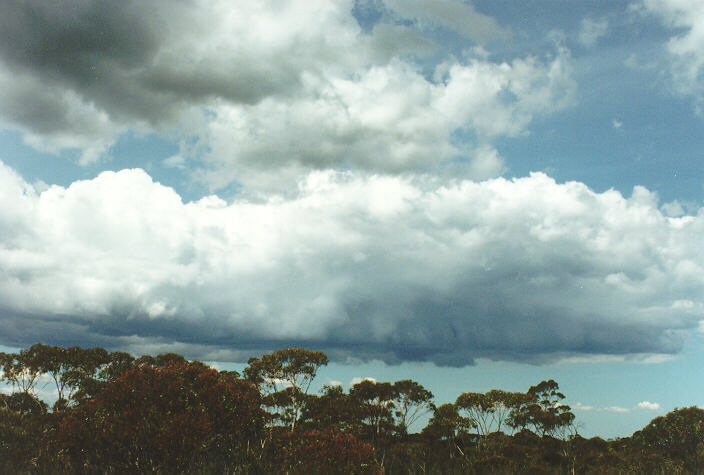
[[364, 266]]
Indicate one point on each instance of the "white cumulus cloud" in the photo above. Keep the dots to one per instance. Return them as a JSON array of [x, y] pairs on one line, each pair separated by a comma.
[[362, 265], [389, 119]]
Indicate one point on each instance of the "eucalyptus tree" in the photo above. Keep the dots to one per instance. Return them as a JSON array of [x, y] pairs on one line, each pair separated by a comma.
[[332, 410], [541, 408], [488, 412], [445, 426], [22, 370], [375, 401], [70, 368], [177, 418], [284, 378], [677, 436], [411, 401]]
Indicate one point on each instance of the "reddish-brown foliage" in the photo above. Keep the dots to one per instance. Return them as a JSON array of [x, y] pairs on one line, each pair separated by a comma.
[[163, 419], [326, 452]]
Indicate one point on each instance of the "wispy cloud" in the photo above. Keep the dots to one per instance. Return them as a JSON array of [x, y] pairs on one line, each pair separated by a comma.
[[175, 161], [591, 30], [645, 405], [459, 16]]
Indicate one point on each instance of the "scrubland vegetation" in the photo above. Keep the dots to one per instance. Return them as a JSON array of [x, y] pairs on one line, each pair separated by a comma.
[[163, 414]]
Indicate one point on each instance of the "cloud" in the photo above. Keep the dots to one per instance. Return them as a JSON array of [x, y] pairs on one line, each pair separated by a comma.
[[649, 406], [455, 15], [143, 59], [361, 265], [269, 90], [592, 30], [672, 208], [645, 405], [53, 118], [390, 40], [74, 74], [175, 161], [616, 409], [632, 358], [686, 47], [389, 119]]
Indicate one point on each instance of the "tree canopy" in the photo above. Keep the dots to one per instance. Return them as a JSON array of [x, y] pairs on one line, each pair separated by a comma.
[[118, 413]]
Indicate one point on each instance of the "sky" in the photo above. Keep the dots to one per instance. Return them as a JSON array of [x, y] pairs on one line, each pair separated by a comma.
[[473, 195]]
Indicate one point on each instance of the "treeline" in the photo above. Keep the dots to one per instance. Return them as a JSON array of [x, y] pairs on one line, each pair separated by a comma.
[[115, 413]]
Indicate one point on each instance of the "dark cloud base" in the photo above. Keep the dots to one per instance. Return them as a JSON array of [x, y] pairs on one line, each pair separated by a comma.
[[454, 344]]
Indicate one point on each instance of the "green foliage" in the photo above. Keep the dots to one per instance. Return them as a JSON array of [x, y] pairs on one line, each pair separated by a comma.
[[20, 432], [21, 370], [284, 378], [541, 409], [443, 432], [294, 367], [23, 403], [411, 401], [21, 420], [375, 404], [678, 436], [333, 409], [69, 368], [446, 423], [487, 413]]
